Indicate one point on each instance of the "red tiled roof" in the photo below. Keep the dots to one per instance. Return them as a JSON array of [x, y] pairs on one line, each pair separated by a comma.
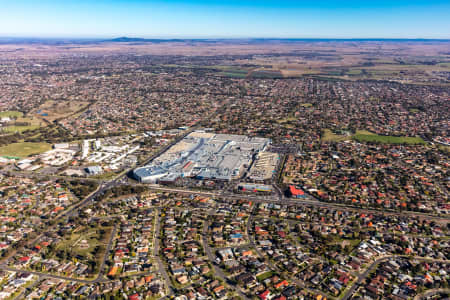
[[295, 192]]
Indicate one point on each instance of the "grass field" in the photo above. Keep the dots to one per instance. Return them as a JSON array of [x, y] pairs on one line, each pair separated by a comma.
[[374, 138], [367, 136], [12, 113], [343, 242], [266, 74], [364, 132], [329, 136], [30, 122], [286, 120], [225, 71], [52, 110], [264, 276], [73, 242], [444, 148], [306, 104], [20, 129], [24, 149], [234, 74]]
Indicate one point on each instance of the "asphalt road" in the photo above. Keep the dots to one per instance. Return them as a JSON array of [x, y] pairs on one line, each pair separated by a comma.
[[280, 199], [103, 186], [374, 264], [99, 277], [29, 288], [45, 275], [217, 270], [102, 270], [161, 267], [299, 283], [59, 217], [289, 201], [431, 293]]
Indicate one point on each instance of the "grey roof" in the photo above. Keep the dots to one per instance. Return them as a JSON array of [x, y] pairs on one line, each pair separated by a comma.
[[220, 156]]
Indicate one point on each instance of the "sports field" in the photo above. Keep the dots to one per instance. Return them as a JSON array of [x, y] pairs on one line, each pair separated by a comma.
[[20, 129], [367, 136], [20, 123], [24, 149], [374, 138], [10, 114]]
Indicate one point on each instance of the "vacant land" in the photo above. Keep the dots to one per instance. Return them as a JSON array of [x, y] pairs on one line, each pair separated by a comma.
[[265, 74], [51, 110], [24, 149], [329, 136], [84, 241]]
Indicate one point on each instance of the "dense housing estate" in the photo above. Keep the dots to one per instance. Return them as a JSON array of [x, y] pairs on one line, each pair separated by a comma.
[[224, 170]]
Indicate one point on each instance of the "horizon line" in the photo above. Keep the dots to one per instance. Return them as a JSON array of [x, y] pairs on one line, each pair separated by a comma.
[[110, 38]]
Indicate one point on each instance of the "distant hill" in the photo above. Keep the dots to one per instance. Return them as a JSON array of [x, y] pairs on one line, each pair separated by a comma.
[[137, 40], [125, 39], [266, 40]]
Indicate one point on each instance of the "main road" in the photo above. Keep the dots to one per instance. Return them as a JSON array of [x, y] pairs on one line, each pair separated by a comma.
[[100, 190], [288, 201], [280, 199]]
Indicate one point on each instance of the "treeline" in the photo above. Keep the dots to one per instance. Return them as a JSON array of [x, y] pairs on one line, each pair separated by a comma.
[[79, 188], [20, 124], [8, 139], [52, 134], [123, 190]]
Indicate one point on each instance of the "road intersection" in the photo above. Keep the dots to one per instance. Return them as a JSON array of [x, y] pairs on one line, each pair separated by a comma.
[[279, 198]]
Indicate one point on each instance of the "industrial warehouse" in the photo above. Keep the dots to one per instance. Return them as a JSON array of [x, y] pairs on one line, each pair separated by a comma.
[[204, 155]]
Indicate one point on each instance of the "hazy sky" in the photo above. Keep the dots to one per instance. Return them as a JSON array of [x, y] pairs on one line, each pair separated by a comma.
[[232, 18]]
